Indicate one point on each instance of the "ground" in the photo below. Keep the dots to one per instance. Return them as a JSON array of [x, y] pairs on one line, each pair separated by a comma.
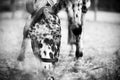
[[100, 42]]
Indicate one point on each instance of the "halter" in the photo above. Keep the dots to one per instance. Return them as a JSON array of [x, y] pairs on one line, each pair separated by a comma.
[[48, 60]]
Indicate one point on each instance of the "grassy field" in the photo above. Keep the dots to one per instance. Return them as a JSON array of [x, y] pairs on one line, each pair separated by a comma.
[[100, 42]]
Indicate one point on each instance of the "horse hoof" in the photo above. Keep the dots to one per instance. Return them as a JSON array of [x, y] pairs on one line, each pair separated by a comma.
[[79, 54]]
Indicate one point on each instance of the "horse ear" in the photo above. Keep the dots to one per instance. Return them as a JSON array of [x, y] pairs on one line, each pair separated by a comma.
[[88, 3]]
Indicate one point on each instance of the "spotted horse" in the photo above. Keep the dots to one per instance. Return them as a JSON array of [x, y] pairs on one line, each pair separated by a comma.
[[76, 9], [44, 34]]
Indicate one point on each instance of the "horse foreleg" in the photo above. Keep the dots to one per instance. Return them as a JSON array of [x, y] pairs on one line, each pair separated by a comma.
[[26, 41], [23, 49]]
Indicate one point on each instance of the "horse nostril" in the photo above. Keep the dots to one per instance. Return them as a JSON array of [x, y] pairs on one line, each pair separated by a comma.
[[76, 15], [51, 78]]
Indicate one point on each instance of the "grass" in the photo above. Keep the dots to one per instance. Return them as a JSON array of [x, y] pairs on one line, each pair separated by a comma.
[[101, 60]]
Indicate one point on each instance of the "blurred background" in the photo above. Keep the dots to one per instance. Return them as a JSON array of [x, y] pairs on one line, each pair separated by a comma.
[[100, 40], [97, 5]]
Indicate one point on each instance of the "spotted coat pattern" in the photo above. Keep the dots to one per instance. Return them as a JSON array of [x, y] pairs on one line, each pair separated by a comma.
[[76, 10], [45, 36]]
